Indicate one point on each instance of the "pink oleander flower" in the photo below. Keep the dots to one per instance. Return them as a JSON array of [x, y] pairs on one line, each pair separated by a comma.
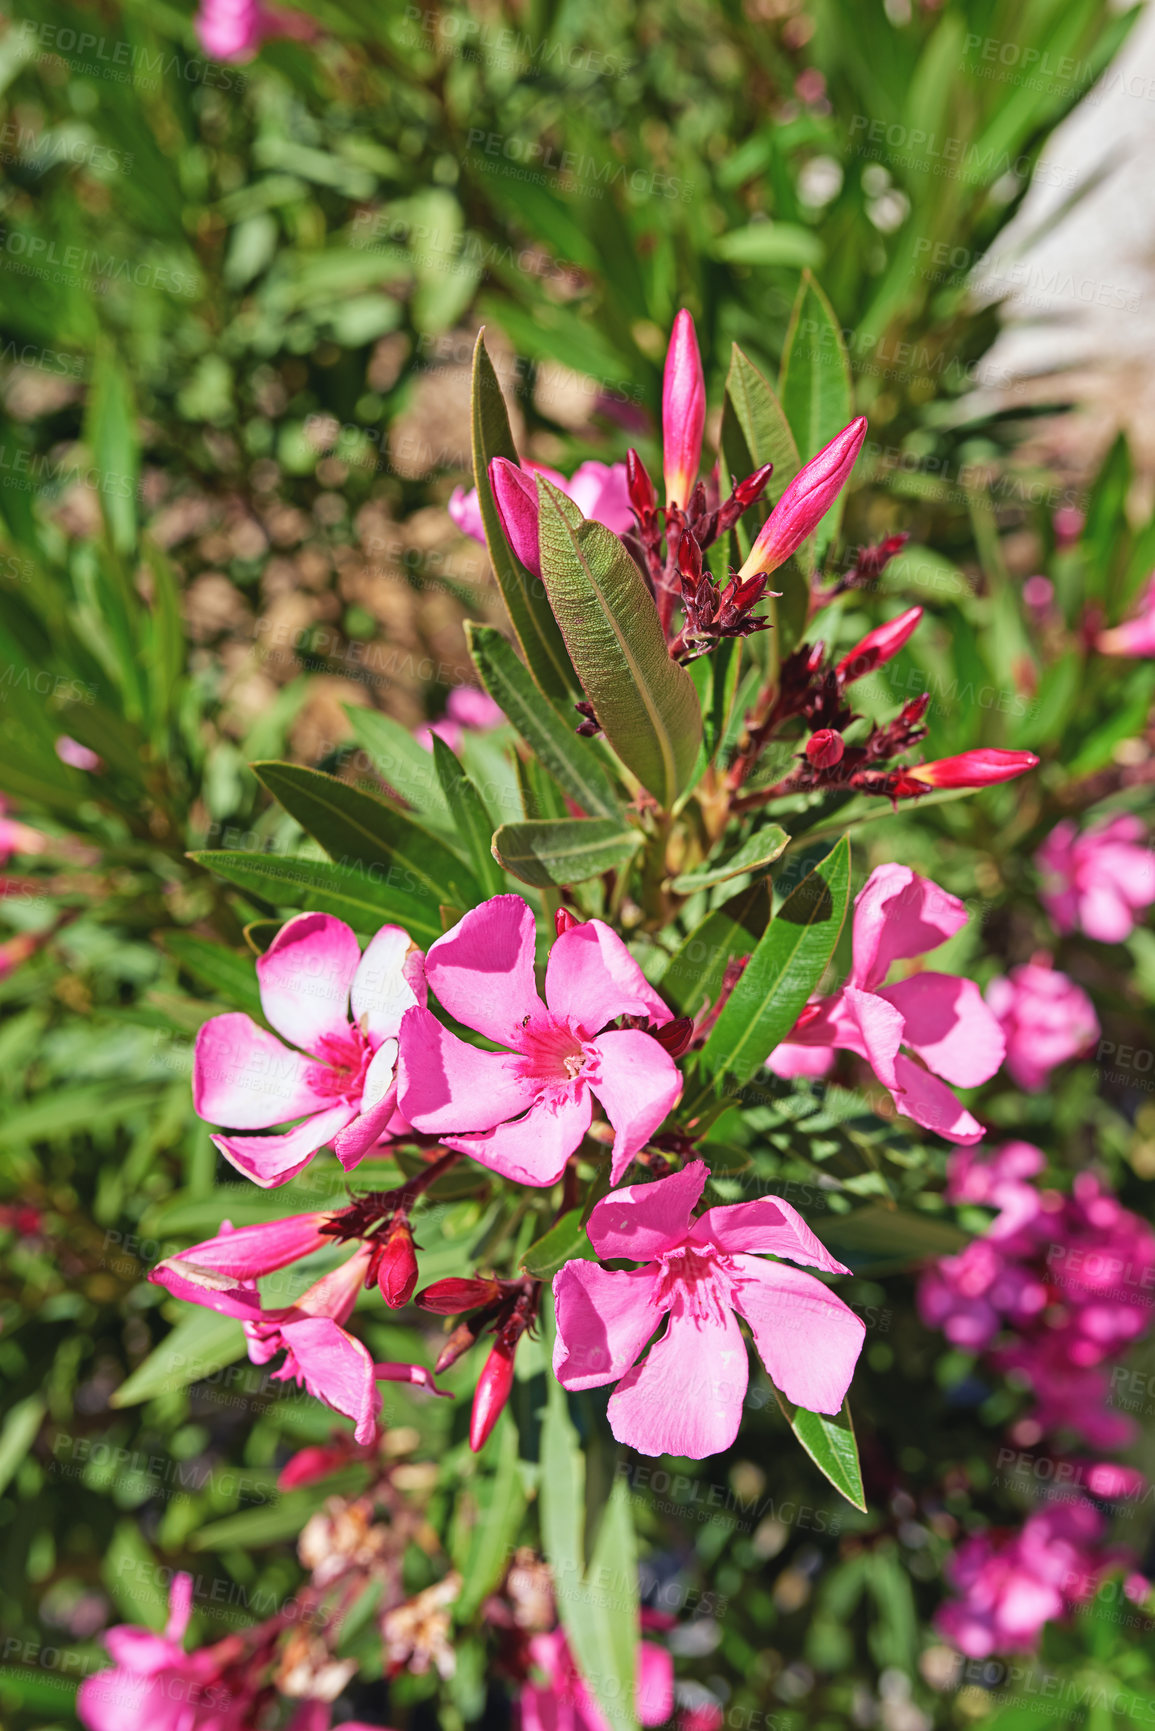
[[17, 837], [685, 1397], [1135, 636], [154, 1685], [597, 489], [467, 711], [240, 1255], [1097, 882], [1011, 1585], [683, 411], [563, 1702], [948, 1033], [1046, 1020], [342, 1010], [235, 29], [320, 1355], [524, 1110], [805, 501]]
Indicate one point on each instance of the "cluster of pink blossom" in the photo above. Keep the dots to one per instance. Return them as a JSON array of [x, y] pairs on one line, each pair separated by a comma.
[[235, 29], [1098, 881], [1046, 1020], [1071, 1276]]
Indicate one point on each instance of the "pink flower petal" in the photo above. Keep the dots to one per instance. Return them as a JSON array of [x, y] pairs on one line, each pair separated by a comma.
[[180, 1597], [378, 1104], [245, 1078], [899, 914], [592, 978], [655, 1700], [806, 1337], [685, 1398], [1105, 914], [337, 1369], [638, 1083], [533, 1149], [445, 1084], [793, 1058], [389, 980], [875, 1030], [603, 1322], [768, 1225], [245, 1252], [241, 1300], [305, 976], [949, 1026], [641, 1220], [482, 970], [412, 1373], [273, 1160], [929, 1102]]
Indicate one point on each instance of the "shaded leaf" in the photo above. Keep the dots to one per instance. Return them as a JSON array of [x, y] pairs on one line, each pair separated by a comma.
[[565, 850]]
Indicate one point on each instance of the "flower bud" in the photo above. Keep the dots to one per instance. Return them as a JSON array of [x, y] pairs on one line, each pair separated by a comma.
[[491, 1394], [451, 1297], [395, 1267], [683, 411], [564, 921], [806, 501], [675, 1036], [878, 646], [973, 768], [640, 488], [824, 749], [689, 561], [745, 492], [515, 494]]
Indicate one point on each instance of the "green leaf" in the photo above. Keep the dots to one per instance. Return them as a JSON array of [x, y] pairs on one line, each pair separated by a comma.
[[110, 430], [693, 976], [566, 1241], [815, 386], [770, 243], [533, 623], [21, 1428], [644, 702], [280, 1518], [598, 1604], [830, 1443], [755, 431], [783, 971], [64, 1112], [499, 1499], [354, 827], [201, 1342], [756, 852], [403, 764], [365, 897], [565, 850], [897, 1237], [571, 760], [228, 973], [471, 820]]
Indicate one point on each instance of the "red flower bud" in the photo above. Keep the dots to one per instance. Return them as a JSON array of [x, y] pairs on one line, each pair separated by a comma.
[[675, 1036], [806, 501], [515, 494], [973, 768], [640, 488], [745, 492], [564, 921], [395, 1262], [491, 1394], [690, 560], [825, 748], [313, 1463], [451, 1297], [878, 646], [683, 411]]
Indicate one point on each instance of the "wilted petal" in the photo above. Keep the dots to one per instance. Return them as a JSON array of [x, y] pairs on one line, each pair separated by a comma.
[[603, 1322], [685, 1398], [305, 976], [806, 1337]]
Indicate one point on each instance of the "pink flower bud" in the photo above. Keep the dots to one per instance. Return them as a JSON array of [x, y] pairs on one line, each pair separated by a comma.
[[825, 748], [395, 1266], [683, 411], [491, 1394], [878, 646], [564, 921], [515, 494], [806, 500], [643, 499], [450, 1297], [973, 768]]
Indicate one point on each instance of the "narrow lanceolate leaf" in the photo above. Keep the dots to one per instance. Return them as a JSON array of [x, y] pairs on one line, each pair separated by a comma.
[[354, 827], [201, 1342], [21, 1427], [829, 1441], [470, 818], [761, 419], [228, 973], [783, 971], [815, 385], [566, 1241], [644, 702], [499, 1505], [402, 763], [756, 853], [564, 850], [693, 977], [571, 760], [533, 623], [365, 897], [598, 1605]]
